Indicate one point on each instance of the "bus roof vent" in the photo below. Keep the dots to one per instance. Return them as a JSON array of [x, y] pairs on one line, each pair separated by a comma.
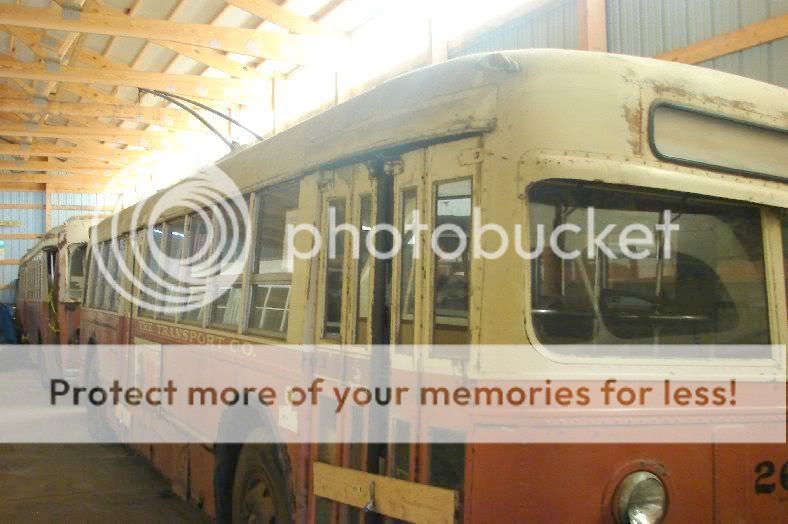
[[499, 62]]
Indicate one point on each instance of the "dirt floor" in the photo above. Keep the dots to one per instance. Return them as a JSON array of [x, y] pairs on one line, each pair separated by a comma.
[[79, 482]]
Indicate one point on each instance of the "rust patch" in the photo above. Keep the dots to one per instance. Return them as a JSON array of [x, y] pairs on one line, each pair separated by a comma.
[[662, 89], [741, 105], [634, 118], [680, 92]]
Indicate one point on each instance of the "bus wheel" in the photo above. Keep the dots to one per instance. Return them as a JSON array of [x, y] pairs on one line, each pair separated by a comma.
[[260, 490]]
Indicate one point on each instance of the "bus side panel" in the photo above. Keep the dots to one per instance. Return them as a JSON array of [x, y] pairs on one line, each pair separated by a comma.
[[751, 481], [69, 320], [574, 483], [201, 466], [172, 461]]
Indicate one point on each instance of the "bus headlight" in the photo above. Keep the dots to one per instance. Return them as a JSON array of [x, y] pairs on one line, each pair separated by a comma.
[[640, 499]]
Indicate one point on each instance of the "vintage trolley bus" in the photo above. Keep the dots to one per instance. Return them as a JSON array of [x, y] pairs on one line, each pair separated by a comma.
[[51, 281], [526, 137]]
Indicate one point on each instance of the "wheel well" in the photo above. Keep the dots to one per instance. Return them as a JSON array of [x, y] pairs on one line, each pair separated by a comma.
[[226, 452]]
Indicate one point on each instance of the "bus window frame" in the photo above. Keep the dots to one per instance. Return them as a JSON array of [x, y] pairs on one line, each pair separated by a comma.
[[333, 187], [703, 165], [252, 278], [72, 249], [208, 322], [444, 164], [640, 181], [87, 290], [165, 247], [187, 221], [143, 243], [411, 181]]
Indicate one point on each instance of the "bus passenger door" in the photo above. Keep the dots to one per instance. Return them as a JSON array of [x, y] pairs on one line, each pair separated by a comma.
[[450, 307], [377, 307], [343, 322], [357, 315]]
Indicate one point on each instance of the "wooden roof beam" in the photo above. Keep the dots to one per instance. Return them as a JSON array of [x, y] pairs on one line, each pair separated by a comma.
[[322, 51], [54, 186], [279, 15], [161, 116], [37, 41], [38, 178], [746, 37], [38, 165], [118, 135], [185, 85], [204, 55], [97, 152]]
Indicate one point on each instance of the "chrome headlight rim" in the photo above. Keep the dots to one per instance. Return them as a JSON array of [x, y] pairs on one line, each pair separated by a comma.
[[628, 486]]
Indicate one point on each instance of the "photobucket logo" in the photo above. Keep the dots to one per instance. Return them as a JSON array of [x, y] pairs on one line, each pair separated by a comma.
[[174, 270], [566, 240]]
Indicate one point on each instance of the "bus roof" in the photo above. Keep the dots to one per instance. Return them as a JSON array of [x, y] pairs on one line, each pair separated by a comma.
[[51, 237], [464, 96]]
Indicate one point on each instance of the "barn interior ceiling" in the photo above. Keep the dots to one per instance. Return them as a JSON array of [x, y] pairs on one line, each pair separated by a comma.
[[78, 102], [114, 95]]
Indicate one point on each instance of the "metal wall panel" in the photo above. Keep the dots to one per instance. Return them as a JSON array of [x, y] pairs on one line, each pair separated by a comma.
[[59, 216], [33, 221], [651, 27], [22, 197], [82, 199], [554, 26]]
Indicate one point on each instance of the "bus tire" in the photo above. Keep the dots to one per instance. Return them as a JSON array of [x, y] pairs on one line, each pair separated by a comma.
[[261, 491]]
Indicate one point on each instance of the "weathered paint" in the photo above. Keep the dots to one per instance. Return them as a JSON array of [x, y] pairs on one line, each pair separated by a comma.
[[545, 126]]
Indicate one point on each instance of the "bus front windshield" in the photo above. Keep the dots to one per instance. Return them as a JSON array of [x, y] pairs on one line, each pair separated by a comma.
[[699, 281]]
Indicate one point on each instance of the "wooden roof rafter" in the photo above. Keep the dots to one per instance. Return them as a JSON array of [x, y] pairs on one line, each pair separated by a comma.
[[97, 152], [185, 85], [163, 117], [38, 165], [142, 138], [65, 59], [323, 50]]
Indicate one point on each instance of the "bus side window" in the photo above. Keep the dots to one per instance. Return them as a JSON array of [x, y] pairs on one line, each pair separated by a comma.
[[88, 280], [272, 270], [101, 287], [364, 290], [40, 277], [452, 263], [708, 288], [116, 255], [51, 262], [76, 270], [447, 459], [334, 277], [150, 269], [226, 308], [198, 248], [173, 253], [97, 282], [407, 295]]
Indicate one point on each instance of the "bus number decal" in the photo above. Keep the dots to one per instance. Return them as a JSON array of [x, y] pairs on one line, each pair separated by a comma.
[[764, 471]]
